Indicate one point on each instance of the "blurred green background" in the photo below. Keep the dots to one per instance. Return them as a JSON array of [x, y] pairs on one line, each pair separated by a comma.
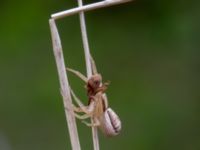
[[149, 50]]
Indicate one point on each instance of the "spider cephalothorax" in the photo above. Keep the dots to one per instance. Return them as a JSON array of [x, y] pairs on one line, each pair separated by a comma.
[[94, 85]]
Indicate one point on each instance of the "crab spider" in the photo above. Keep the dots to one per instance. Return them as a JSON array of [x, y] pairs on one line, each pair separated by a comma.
[[104, 117]]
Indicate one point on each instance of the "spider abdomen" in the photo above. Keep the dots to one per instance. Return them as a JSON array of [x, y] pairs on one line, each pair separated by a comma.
[[110, 123]]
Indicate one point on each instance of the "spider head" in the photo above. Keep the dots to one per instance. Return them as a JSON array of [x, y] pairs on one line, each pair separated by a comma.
[[95, 81]]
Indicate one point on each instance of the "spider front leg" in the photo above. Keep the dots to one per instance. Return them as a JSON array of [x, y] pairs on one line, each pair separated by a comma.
[[78, 74], [88, 110], [82, 108]]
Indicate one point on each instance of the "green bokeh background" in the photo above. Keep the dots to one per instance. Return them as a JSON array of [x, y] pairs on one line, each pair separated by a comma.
[[149, 50]]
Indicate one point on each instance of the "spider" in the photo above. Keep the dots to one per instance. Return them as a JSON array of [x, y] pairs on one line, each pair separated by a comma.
[[104, 117]]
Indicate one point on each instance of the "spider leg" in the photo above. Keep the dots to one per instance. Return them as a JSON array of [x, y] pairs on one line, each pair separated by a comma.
[[78, 74], [93, 64], [82, 117], [96, 124], [78, 109], [82, 108], [77, 100]]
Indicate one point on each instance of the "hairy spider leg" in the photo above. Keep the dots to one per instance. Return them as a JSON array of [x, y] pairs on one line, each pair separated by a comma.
[[95, 124], [82, 117], [78, 74], [88, 110]]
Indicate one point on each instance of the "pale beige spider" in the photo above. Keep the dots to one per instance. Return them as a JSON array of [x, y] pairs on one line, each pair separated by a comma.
[[104, 117]]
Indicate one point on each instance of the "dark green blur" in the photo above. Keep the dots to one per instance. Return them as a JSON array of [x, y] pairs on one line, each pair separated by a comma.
[[149, 50]]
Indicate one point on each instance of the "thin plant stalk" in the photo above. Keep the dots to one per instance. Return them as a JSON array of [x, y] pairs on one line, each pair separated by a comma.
[[64, 85], [88, 67], [88, 7]]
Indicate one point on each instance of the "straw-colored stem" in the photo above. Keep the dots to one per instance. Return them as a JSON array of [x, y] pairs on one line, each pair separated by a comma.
[[88, 67], [85, 41], [88, 7], [64, 85]]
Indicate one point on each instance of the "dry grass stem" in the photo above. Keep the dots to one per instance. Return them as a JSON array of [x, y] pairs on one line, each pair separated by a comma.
[[64, 85], [88, 7], [88, 67]]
